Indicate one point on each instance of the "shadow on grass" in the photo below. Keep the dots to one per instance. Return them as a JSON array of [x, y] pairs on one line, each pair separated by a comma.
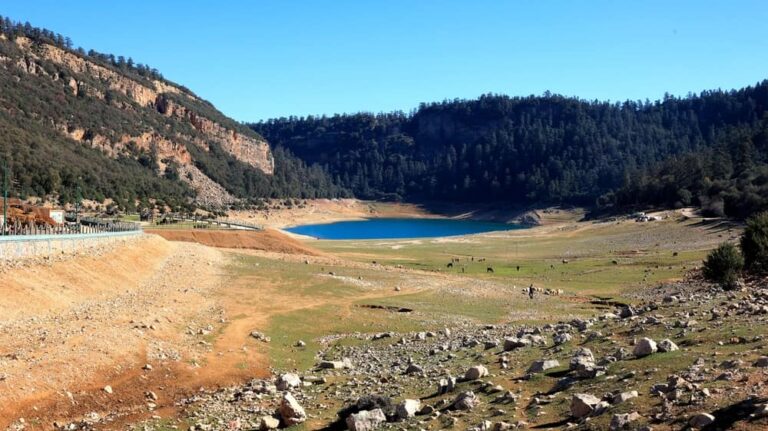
[[727, 416], [550, 425]]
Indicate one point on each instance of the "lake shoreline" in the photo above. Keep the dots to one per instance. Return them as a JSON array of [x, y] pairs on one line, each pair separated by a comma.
[[381, 228]]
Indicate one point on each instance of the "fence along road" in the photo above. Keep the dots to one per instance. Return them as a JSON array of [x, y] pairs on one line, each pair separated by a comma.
[[47, 243]]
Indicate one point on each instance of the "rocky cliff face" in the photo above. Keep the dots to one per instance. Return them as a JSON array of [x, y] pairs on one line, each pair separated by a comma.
[[170, 118]]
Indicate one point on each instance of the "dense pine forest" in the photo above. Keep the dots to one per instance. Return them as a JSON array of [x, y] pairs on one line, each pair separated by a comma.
[[707, 149]]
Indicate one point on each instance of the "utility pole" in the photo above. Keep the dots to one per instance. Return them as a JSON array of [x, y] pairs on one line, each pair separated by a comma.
[[5, 195], [78, 197]]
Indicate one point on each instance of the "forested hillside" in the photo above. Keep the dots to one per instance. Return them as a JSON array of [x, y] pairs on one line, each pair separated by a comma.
[[76, 123], [707, 149]]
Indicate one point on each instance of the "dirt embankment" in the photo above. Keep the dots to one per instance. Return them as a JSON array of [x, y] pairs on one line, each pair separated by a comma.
[[266, 240], [70, 328]]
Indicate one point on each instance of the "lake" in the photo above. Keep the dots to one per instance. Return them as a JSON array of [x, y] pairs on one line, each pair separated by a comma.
[[393, 228]]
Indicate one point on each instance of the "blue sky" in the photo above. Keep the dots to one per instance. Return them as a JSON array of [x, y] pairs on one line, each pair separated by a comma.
[[261, 59]]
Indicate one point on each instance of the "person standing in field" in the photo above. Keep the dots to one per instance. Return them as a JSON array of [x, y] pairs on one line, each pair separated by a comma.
[[530, 291]]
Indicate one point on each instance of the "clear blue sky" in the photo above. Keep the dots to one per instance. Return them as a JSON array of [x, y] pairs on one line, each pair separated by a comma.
[[261, 59]]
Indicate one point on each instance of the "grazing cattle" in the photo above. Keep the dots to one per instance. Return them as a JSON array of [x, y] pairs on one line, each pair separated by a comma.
[[450, 265], [565, 261], [615, 262], [489, 269]]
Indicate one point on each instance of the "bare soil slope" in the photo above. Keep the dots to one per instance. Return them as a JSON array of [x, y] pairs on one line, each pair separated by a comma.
[[266, 240], [70, 328]]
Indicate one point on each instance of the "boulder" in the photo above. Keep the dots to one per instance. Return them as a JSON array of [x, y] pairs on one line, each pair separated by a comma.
[[476, 372], [268, 423], [561, 338], [542, 365], [446, 385], [583, 405], [414, 369], [366, 420], [291, 412], [407, 409], [287, 381], [465, 401], [344, 364], [666, 345], [624, 396], [623, 421], [513, 343], [701, 420], [581, 357], [644, 347]]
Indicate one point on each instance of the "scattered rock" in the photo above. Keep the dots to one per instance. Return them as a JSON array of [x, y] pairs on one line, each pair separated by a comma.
[[268, 423], [476, 372], [583, 405], [644, 347], [366, 420], [465, 401], [542, 365], [666, 345], [701, 420], [623, 421], [287, 381], [291, 412], [407, 409]]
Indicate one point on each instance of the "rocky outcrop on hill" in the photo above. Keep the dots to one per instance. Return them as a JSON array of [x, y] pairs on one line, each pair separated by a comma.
[[146, 115]]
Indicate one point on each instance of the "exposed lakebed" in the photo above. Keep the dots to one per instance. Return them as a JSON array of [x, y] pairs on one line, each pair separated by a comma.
[[394, 228]]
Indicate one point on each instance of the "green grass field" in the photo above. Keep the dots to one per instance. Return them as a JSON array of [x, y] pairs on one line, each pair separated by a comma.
[[604, 261]]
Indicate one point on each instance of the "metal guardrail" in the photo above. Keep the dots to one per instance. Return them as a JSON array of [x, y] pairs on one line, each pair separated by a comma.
[[66, 237], [87, 225], [235, 224], [15, 247]]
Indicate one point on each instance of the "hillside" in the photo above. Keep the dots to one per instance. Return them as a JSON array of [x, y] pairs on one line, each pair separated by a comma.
[[71, 120], [548, 149]]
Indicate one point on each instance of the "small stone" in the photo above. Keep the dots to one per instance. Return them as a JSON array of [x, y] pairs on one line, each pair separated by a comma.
[[108, 389]]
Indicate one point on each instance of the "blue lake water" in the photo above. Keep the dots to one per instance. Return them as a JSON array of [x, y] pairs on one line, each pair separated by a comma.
[[392, 228]]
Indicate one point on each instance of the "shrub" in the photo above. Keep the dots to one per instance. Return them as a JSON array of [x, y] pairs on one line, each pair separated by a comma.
[[754, 244], [723, 265]]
